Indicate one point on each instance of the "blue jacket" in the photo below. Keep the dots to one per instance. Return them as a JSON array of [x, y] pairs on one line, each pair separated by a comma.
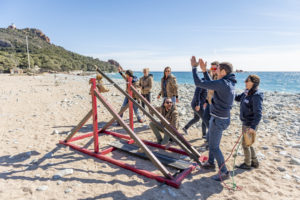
[[224, 92], [250, 108], [199, 97]]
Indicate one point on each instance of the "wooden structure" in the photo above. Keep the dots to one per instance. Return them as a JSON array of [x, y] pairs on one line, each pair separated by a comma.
[[127, 142]]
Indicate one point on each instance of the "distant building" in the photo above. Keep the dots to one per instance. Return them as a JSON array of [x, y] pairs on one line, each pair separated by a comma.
[[12, 26]]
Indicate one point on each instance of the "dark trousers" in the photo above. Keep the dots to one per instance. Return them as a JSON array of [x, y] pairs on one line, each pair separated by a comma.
[[206, 118], [148, 97], [197, 116]]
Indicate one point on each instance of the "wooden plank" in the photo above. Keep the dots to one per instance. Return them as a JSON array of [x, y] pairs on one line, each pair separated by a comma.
[[113, 119], [81, 123], [132, 134], [167, 160]]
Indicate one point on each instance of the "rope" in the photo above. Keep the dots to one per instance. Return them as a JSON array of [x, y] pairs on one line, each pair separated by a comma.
[[234, 186]]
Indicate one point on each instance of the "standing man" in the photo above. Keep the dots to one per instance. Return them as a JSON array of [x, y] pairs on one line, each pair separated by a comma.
[[145, 84], [220, 110], [210, 93]]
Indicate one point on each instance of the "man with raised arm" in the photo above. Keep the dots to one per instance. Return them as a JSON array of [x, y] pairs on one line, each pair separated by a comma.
[[220, 110]]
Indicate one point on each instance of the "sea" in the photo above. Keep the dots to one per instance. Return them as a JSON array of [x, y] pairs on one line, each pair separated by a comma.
[[285, 82]]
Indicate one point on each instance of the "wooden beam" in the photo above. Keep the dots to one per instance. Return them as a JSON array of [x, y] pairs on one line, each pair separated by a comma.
[[138, 141], [79, 126]]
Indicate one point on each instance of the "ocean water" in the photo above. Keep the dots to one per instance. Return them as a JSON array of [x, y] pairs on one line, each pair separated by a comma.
[[288, 82]]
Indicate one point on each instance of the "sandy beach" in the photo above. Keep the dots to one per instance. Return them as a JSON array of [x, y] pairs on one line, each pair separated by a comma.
[[38, 111]]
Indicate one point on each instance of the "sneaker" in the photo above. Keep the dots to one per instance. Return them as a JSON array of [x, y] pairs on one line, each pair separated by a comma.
[[208, 166], [185, 130], [204, 136], [244, 166], [221, 177], [141, 120], [254, 164]]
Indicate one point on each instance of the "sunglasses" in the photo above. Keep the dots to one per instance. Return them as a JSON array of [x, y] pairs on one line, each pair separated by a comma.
[[168, 102], [167, 71], [213, 68]]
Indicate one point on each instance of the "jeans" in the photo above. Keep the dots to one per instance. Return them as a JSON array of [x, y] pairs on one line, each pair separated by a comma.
[[135, 109], [206, 118], [216, 127], [148, 97], [156, 130], [197, 116]]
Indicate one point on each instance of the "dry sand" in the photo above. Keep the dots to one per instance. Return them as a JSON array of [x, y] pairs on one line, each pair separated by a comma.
[[38, 111]]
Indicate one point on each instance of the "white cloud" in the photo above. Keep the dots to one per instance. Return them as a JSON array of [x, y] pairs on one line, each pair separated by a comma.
[[264, 58]]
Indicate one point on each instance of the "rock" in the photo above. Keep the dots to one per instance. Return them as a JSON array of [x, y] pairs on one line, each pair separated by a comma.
[[55, 132], [68, 190], [295, 161], [281, 169], [283, 153], [63, 173], [265, 148], [277, 159], [59, 182], [279, 147], [260, 155], [296, 146], [287, 177], [42, 188]]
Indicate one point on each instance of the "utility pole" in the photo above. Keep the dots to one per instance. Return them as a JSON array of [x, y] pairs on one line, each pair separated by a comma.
[[27, 51]]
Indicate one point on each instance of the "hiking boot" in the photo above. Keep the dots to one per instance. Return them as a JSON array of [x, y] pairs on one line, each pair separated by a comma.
[[254, 164], [208, 166], [221, 176], [185, 130], [204, 136], [244, 166]]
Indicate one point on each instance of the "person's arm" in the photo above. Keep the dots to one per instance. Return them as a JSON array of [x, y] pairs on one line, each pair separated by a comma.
[[257, 110], [174, 121], [238, 97], [203, 96], [121, 72], [175, 86], [198, 95], [211, 85], [149, 86], [207, 76]]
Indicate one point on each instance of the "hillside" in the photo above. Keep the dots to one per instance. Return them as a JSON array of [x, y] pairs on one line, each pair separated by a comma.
[[43, 54]]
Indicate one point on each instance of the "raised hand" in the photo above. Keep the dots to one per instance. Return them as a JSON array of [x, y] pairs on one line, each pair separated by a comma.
[[202, 65], [194, 62]]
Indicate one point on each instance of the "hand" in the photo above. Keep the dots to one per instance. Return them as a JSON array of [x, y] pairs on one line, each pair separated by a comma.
[[251, 131], [202, 65], [197, 108], [204, 106], [194, 62], [177, 100]]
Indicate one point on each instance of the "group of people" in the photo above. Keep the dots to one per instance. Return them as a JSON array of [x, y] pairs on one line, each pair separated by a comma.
[[212, 101]]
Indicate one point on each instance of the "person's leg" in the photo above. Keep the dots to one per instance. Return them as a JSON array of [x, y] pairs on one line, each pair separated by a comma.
[[192, 121], [174, 100], [206, 118], [156, 130], [136, 112], [246, 149], [216, 129], [125, 102], [143, 104]]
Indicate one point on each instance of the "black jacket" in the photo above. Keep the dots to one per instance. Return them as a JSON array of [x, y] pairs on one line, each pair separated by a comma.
[[250, 108]]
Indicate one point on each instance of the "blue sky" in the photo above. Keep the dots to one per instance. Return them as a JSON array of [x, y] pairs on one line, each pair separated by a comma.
[[257, 35]]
